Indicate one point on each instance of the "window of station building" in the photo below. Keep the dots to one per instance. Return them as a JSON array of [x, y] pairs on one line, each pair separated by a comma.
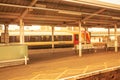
[[13, 27], [27, 28], [76, 28], [60, 28], [35, 27], [69, 28], [97, 29], [1, 27], [112, 38], [45, 28], [113, 29], [95, 39], [57, 28]]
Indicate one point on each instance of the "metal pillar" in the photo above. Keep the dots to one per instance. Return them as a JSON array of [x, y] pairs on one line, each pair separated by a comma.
[[108, 34], [6, 36], [21, 32], [85, 36], [116, 40], [108, 40], [52, 37], [80, 45], [22, 37], [6, 28]]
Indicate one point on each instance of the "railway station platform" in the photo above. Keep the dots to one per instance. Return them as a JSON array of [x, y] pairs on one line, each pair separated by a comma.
[[59, 65]]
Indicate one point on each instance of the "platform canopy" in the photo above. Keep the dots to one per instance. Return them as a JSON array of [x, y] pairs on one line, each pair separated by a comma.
[[92, 13]]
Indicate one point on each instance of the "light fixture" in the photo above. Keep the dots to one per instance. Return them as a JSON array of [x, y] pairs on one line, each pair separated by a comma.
[[40, 5], [118, 18], [69, 12]]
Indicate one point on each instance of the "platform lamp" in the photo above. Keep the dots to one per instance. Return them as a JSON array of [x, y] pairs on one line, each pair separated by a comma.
[[69, 12]]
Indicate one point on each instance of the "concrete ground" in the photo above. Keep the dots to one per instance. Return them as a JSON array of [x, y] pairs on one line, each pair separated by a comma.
[[57, 65]]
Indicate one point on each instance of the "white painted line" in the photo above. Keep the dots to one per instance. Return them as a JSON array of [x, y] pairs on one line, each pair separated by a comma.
[[76, 69], [105, 65], [61, 74], [35, 77], [85, 70], [15, 78], [91, 73], [42, 79]]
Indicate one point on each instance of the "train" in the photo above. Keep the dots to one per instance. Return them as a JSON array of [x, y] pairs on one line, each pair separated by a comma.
[[41, 40]]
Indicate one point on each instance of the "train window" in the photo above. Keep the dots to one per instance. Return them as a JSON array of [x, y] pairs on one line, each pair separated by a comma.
[[63, 38], [77, 37], [55, 38], [36, 38], [32, 39], [69, 38], [44, 38], [40, 38], [59, 38], [27, 38], [14, 39], [17, 39], [49, 38], [11, 39]]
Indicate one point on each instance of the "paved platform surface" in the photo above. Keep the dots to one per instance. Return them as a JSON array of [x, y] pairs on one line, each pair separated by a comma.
[[57, 65]]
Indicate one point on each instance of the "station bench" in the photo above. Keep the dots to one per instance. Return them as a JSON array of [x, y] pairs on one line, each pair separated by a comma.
[[13, 54]]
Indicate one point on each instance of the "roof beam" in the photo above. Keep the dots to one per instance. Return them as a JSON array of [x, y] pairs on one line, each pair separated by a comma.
[[8, 16], [97, 22], [38, 18], [47, 19], [53, 16], [9, 13], [26, 10], [90, 16], [15, 15]]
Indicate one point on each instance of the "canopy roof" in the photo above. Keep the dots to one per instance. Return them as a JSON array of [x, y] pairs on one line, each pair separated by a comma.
[[91, 13]]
